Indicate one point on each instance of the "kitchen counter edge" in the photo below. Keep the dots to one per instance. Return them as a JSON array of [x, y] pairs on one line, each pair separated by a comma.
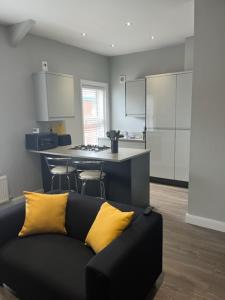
[[64, 151]]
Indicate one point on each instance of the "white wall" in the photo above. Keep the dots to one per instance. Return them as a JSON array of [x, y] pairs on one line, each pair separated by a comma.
[[17, 115], [134, 66], [207, 161]]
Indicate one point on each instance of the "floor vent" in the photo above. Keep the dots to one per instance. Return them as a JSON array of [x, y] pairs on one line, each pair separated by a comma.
[[4, 192]]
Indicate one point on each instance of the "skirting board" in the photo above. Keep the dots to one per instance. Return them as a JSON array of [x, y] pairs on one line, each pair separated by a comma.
[[18, 199], [172, 182], [22, 197], [205, 222]]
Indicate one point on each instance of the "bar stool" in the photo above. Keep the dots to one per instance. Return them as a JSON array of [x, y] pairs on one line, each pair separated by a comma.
[[60, 166], [90, 171]]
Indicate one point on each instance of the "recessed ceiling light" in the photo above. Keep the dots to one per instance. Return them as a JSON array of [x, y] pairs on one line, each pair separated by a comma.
[[84, 34], [113, 45], [129, 23], [152, 37]]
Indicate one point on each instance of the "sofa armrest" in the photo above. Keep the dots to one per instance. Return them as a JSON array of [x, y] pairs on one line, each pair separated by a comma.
[[130, 265], [11, 221]]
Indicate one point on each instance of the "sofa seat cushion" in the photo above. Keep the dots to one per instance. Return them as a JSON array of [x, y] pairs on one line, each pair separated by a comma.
[[50, 262]]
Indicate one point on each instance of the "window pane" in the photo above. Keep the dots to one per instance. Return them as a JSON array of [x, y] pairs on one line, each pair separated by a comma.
[[94, 119]]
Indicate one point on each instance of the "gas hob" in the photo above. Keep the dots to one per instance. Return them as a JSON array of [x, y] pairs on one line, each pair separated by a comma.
[[94, 148]]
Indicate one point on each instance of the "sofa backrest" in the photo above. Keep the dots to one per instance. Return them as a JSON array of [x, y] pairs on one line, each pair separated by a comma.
[[81, 213]]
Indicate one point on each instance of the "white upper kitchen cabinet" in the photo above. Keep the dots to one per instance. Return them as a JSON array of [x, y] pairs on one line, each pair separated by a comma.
[[184, 100], [162, 146], [161, 101], [54, 96], [182, 155]]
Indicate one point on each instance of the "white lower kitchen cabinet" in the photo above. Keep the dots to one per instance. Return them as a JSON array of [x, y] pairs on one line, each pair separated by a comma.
[[162, 146], [182, 155], [131, 144]]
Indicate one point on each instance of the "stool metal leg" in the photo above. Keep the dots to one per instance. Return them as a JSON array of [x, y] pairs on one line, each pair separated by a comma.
[[84, 182], [103, 185], [60, 183], [76, 183], [102, 189], [68, 181], [52, 182]]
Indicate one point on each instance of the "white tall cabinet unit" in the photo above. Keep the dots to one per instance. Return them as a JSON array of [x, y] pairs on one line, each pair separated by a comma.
[[168, 121]]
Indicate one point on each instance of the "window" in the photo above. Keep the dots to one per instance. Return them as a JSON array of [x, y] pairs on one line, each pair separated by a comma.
[[94, 100]]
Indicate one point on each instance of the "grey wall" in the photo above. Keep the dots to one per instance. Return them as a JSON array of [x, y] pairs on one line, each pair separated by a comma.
[[134, 66], [17, 115], [207, 161], [189, 53]]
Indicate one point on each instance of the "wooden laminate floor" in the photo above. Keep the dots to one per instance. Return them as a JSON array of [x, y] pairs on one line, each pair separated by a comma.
[[194, 258]]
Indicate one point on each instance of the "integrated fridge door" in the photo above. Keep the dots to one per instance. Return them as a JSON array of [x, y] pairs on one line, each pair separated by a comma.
[[161, 142], [161, 101]]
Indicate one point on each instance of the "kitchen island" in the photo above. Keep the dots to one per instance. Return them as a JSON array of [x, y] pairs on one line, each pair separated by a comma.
[[127, 178]]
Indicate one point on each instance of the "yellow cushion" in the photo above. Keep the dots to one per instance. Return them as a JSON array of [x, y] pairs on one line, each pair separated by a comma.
[[108, 225], [44, 213]]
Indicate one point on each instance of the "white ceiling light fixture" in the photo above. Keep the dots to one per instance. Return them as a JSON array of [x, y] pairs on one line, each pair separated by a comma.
[[128, 24], [152, 37], [113, 45], [83, 34]]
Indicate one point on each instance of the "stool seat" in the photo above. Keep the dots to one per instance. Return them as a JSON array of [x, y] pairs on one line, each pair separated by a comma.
[[59, 167], [92, 175], [62, 170], [87, 171]]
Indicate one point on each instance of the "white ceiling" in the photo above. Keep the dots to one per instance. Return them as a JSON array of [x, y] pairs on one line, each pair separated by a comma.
[[170, 21]]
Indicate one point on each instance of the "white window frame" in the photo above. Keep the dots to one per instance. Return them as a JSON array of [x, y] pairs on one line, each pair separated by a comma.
[[93, 84]]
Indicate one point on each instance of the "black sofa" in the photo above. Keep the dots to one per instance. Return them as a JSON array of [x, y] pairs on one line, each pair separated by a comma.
[[54, 266]]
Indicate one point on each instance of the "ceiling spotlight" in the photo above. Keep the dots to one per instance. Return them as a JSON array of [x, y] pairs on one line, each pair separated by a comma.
[[128, 24], [84, 34], [152, 37], [113, 45]]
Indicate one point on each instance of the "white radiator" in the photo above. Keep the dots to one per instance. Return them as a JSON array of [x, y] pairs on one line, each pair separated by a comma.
[[4, 192]]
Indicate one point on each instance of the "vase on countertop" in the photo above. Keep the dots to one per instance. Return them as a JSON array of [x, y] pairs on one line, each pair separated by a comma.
[[114, 146], [114, 137]]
